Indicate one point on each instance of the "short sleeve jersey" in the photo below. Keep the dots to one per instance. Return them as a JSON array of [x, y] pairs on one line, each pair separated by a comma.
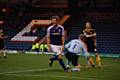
[[55, 33], [76, 46]]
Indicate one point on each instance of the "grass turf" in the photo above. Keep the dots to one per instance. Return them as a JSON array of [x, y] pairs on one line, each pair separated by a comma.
[[35, 67]]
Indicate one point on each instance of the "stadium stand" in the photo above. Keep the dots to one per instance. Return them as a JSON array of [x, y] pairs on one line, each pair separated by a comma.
[[104, 16], [107, 32]]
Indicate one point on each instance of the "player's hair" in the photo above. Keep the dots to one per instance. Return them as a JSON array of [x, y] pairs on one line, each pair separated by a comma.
[[82, 37], [56, 17], [89, 23]]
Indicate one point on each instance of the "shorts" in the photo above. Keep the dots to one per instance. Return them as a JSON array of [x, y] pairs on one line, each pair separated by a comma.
[[72, 57], [55, 48], [90, 45], [1, 45]]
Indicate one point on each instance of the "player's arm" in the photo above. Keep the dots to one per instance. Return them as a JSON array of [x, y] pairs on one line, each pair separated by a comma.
[[84, 32], [63, 42], [68, 45], [89, 35], [63, 38], [48, 39], [84, 50], [2, 36], [87, 55], [95, 43]]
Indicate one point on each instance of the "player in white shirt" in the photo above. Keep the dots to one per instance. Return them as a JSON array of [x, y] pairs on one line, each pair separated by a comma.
[[74, 48]]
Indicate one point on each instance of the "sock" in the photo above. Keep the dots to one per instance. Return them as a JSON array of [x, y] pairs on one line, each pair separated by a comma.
[[67, 62], [91, 61], [4, 54], [62, 64], [98, 60]]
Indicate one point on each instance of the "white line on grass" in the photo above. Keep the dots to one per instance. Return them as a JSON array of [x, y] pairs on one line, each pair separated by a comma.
[[44, 69], [30, 70], [54, 76], [21, 73]]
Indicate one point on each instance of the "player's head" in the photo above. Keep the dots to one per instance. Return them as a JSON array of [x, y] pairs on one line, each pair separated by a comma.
[[82, 37], [88, 25], [55, 19]]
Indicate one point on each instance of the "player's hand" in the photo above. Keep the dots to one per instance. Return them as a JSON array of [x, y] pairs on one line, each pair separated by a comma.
[[49, 49]]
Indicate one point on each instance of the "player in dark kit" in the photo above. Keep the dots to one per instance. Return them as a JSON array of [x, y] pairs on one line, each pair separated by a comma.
[[90, 36], [55, 41], [2, 37]]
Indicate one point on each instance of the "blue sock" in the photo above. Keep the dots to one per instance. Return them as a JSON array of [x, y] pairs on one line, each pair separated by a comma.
[[62, 64]]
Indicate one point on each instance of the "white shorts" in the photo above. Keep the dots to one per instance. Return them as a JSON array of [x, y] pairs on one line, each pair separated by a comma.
[[56, 49]]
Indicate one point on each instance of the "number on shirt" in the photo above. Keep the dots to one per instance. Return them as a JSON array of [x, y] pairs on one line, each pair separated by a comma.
[[74, 46]]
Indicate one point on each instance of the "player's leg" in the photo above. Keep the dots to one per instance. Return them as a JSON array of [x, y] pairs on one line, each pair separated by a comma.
[[2, 51], [4, 54], [67, 64], [89, 60], [58, 56], [1, 47], [54, 57], [61, 62], [67, 55], [90, 47], [74, 60], [98, 60]]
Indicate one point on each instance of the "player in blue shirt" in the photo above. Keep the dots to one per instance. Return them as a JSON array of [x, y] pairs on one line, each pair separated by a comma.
[[55, 41]]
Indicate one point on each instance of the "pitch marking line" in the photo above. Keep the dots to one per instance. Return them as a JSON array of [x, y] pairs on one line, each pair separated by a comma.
[[14, 73], [54, 76], [44, 69], [30, 70]]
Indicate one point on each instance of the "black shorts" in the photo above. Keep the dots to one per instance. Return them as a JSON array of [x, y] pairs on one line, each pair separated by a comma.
[[72, 57], [1, 44], [90, 45]]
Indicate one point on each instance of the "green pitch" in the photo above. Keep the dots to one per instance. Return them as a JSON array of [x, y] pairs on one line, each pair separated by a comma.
[[35, 67]]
